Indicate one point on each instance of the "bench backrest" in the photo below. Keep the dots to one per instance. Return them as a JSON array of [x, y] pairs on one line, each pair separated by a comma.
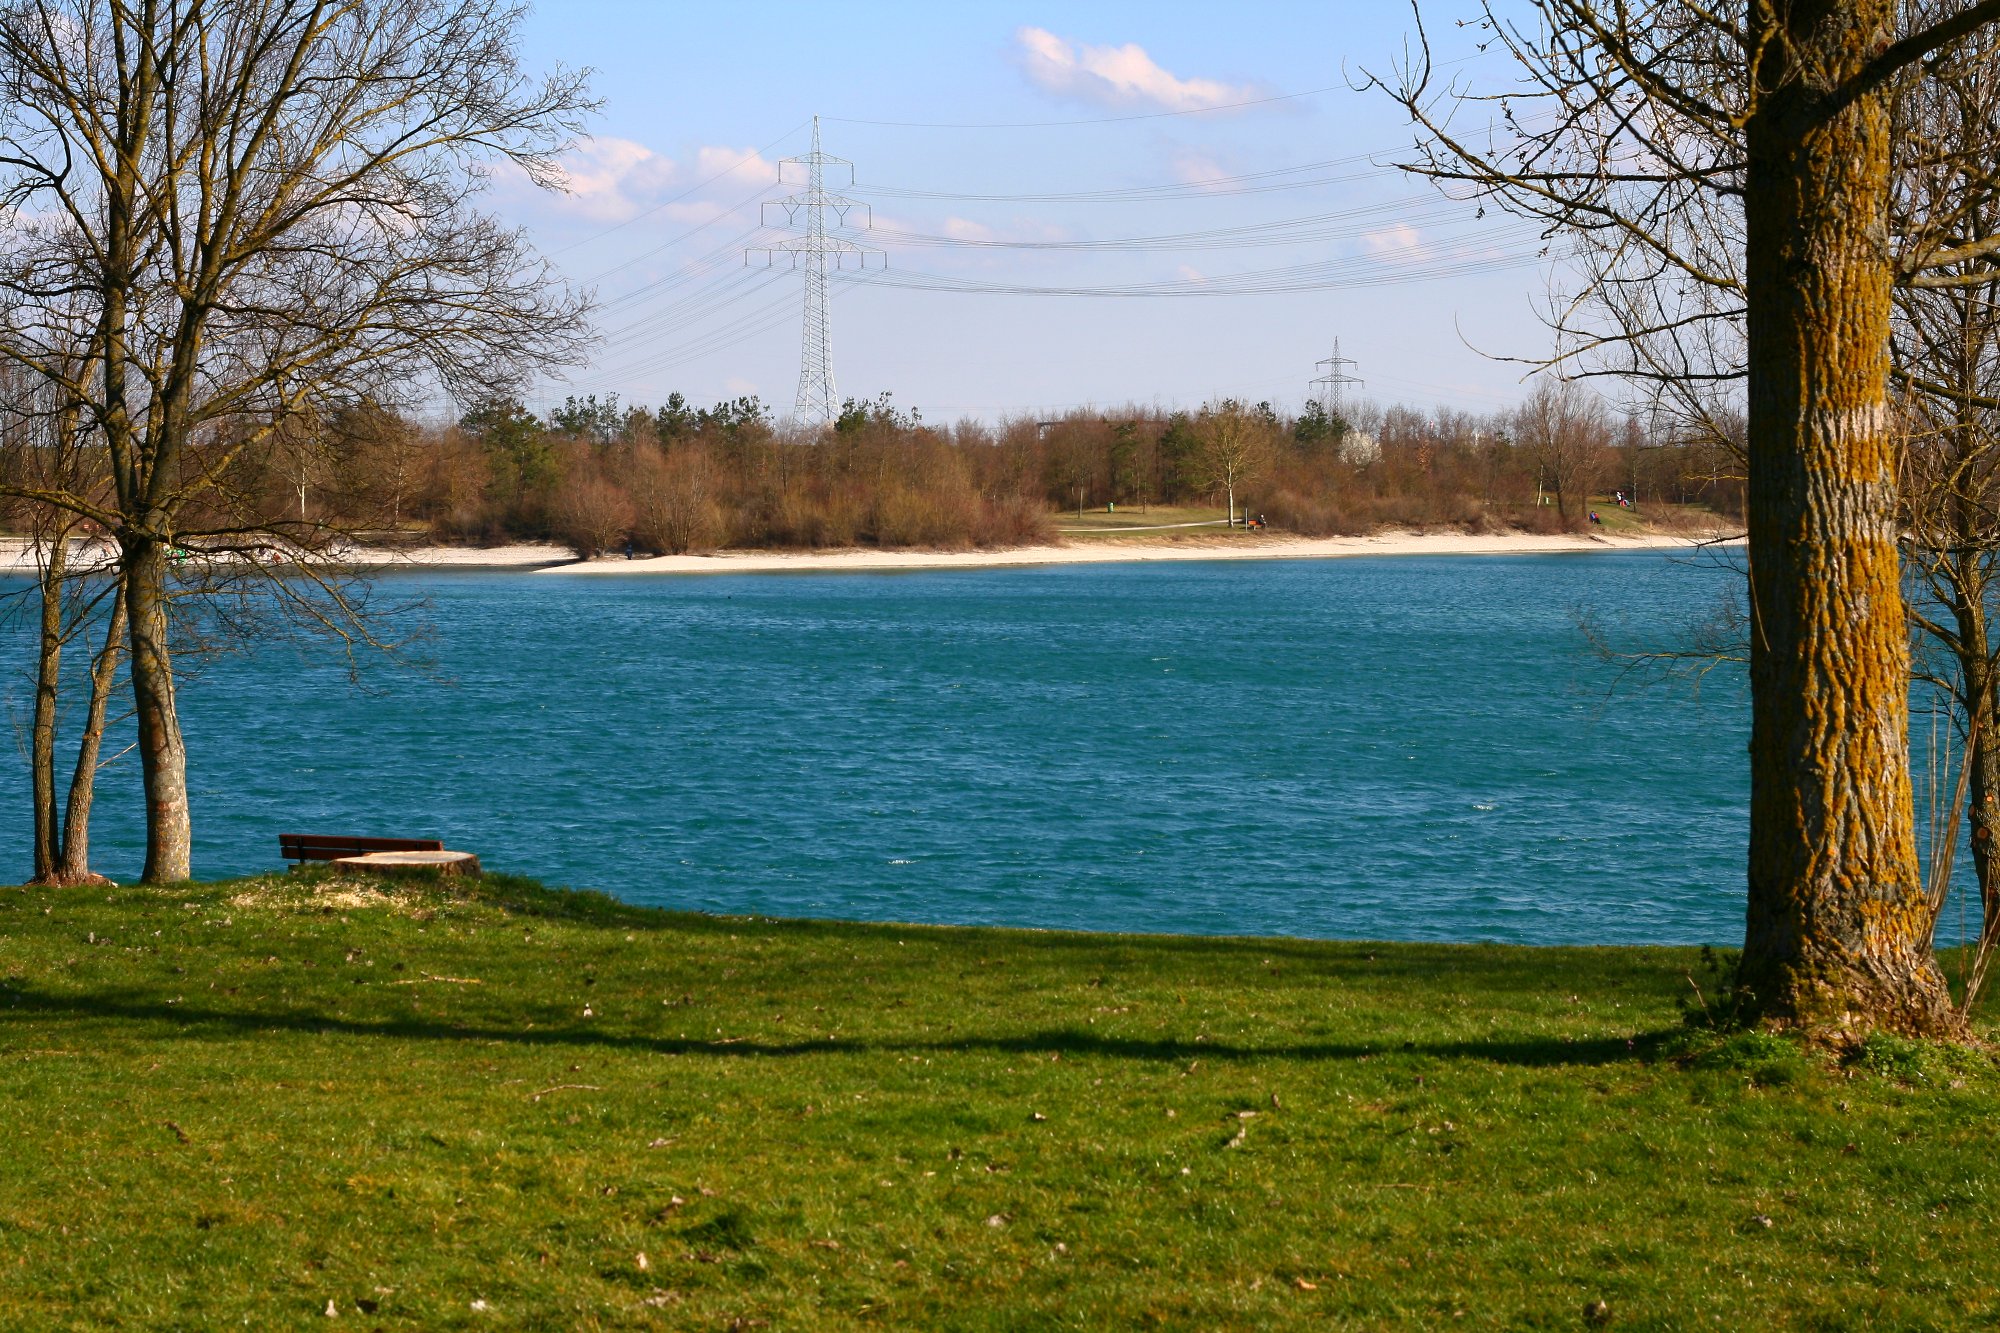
[[321, 847]]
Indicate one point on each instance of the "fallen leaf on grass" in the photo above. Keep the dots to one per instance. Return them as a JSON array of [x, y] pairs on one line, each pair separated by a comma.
[[1304, 1285], [828, 1244], [179, 1133], [660, 1299], [997, 1220], [332, 1310], [564, 1087], [663, 1143], [645, 1264]]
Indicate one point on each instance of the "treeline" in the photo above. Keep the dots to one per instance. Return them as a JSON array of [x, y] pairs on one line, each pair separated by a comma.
[[603, 477]]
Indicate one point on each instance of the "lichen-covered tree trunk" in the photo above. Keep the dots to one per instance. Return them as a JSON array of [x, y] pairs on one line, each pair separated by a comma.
[[162, 756], [1837, 937]]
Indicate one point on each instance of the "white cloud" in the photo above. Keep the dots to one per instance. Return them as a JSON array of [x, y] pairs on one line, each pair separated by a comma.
[[609, 179], [1401, 241], [612, 180], [1116, 76], [737, 387], [966, 230], [1189, 273], [1194, 168], [746, 166]]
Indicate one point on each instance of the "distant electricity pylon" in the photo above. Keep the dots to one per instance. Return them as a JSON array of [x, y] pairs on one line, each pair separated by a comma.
[[817, 401], [1331, 388]]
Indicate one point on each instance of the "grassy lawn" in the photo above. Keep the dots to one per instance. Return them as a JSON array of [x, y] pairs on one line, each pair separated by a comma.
[[1651, 517], [235, 1104], [1153, 523]]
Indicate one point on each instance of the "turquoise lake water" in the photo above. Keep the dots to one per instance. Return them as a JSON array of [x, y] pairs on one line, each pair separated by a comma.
[[1418, 748]]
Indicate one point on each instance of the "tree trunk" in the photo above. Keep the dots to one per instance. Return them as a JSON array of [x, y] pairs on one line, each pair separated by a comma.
[[1982, 800], [75, 865], [1835, 938], [162, 756], [48, 690]]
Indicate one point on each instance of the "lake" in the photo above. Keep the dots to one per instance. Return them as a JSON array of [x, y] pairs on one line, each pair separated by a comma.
[[1396, 748]]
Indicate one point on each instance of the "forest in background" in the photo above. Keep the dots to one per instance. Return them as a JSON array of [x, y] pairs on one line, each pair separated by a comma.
[[601, 476]]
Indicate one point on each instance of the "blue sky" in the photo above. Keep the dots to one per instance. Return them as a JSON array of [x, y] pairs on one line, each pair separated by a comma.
[[701, 100]]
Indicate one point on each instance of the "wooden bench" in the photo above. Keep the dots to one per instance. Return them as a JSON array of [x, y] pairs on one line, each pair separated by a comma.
[[318, 847]]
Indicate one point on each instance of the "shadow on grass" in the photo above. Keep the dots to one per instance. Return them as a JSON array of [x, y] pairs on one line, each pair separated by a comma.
[[1524, 1051]]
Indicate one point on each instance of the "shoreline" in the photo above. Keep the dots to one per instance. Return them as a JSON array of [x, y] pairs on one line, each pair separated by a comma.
[[1134, 552], [547, 558]]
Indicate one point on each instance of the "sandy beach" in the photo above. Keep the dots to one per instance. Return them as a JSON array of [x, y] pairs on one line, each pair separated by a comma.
[[547, 558], [1129, 552], [17, 556]]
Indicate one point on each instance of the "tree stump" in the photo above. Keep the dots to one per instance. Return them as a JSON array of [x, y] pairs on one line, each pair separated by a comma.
[[447, 864]]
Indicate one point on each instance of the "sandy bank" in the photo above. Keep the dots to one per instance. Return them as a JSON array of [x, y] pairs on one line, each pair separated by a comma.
[[16, 557], [1127, 552]]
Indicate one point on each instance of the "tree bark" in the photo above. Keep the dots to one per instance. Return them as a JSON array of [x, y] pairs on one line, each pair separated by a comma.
[[48, 688], [1982, 799], [1835, 938], [162, 755], [75, 865]]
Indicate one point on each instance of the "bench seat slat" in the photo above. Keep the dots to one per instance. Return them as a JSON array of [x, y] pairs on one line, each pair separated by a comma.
[[326, 847]]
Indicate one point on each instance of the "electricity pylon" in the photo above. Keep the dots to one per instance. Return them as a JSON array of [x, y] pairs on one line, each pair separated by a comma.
[[1332, 386], [817, 400]]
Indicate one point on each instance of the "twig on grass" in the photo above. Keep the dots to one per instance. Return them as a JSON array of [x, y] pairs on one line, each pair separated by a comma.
[[1703, 999]]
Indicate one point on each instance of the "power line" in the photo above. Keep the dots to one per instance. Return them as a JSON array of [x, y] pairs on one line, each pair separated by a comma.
[[1215, 187], [1352, 273], [1093, 120], [1316, 228]]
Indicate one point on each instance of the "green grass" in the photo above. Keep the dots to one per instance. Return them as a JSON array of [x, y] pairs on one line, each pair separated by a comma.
[[1654, 517], [234, 1104], [1154, 523]]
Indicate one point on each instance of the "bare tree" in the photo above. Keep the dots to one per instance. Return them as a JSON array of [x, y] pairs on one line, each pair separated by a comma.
[[1564, 428], [265, 211], [675, 498], [41, 446], [1234, 448], [592, 512], [1947, 363], [1646, 131]]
